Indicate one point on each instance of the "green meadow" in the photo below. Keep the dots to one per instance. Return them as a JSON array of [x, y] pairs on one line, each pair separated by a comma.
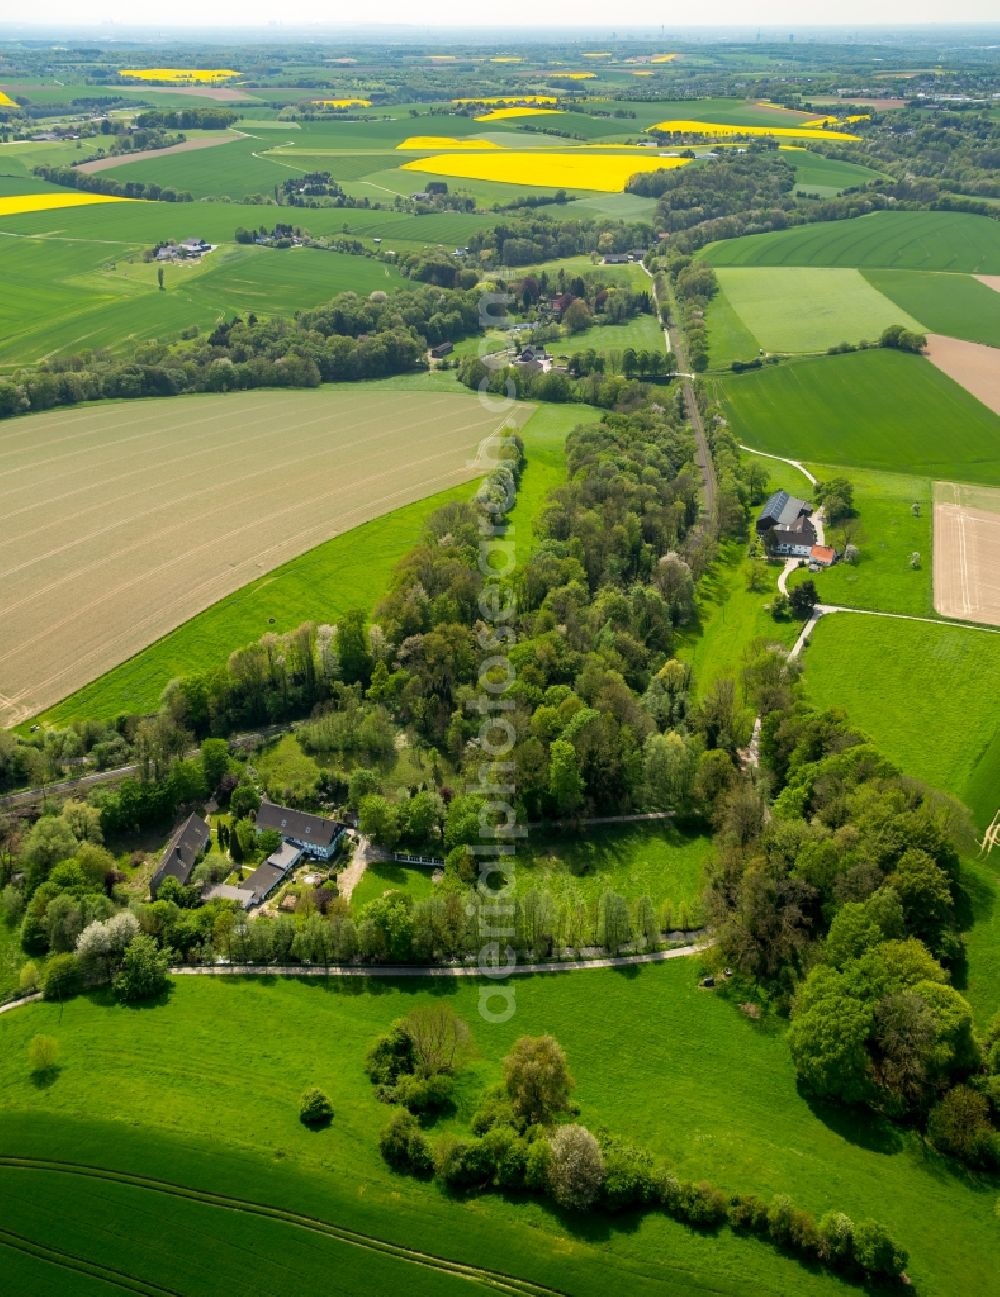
[[802, 310], [730, 618], [825, 177], [643, 333], [656, 1058], [76, 296], [886, 533], [955, 305], [927, 695], [953, 241], [877, 409]]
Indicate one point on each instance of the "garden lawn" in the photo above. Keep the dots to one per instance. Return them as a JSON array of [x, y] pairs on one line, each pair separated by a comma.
[[876, 409], [655, 860], [801, 310], [387, 875], [928, 696], [958, 306], [904, 240], [655, 1058], [887, 534]]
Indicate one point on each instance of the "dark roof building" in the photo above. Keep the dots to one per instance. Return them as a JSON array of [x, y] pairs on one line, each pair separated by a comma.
[[780, 510], [181, 855], [262, 882], [226, 892], [313, 833], [442, 349]]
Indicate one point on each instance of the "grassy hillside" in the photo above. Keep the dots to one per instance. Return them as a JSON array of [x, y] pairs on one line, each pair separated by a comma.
[[801, 310], [69, 296], [904, 240], [708, 1090], [873, 409], [927, 695], [956, 305], [825, 177]]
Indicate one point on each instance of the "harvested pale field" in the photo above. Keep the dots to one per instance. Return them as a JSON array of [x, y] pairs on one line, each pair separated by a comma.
[[189, 146], [122, 521], [973, 365], [967, 552], [222, 94], [991, 281]]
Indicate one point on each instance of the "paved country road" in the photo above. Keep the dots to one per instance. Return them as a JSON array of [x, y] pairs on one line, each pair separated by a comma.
[[410, 970], [435, 970]]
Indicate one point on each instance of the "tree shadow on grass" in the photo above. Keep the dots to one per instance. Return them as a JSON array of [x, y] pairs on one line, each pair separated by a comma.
[[857, 1126], [46, 1077]]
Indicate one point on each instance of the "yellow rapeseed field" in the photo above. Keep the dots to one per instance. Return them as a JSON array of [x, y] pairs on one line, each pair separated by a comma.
[[17, 204], [344, 103], [641, 74], [663, 58], [501, 114], [6, 101], [179, 74], [510, 99], [427, 142], [608, 173], [506, 58], [576, 76], [713, 128]]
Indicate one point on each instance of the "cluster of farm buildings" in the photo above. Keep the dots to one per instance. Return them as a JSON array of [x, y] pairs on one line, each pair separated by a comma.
[[786, 527], [303, 837]]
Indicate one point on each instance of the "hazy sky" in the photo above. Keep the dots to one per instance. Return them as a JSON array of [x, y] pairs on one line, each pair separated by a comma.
[[526, 14]]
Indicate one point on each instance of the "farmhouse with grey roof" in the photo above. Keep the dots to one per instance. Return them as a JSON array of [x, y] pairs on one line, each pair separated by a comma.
[[315, 835], [785, 526], [182, 853]]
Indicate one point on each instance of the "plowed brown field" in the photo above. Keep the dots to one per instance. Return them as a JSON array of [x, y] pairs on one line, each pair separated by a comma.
[[122, 521]]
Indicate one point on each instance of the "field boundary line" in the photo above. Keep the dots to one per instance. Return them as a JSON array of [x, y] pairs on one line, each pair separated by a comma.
[[314, 1224]]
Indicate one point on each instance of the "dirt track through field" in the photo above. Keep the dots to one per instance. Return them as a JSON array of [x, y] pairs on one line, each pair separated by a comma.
[[189, 146], [975, 366], [967, 552], [122, 521]]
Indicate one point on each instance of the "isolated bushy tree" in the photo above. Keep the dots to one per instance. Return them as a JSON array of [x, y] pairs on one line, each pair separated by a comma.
[[315, 1109], [43, 1053], [537, 1078]]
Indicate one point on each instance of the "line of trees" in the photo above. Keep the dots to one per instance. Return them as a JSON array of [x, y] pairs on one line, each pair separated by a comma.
[[526, 1139]]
